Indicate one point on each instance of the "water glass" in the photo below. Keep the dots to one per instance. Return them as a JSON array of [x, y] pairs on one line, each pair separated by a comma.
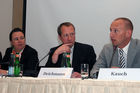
[[18, 68], [84, 71]]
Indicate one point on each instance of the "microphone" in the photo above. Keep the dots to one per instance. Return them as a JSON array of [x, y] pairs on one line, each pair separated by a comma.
[[95, 75], [36, 66], [5, 63], [114, 50], [45, 56]]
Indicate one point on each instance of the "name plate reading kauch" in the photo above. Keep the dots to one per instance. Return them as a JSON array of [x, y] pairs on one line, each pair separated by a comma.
[[55, 73], [119, 74]]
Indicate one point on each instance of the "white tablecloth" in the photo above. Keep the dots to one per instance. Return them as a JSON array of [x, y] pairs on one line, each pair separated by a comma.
[[41, 85]]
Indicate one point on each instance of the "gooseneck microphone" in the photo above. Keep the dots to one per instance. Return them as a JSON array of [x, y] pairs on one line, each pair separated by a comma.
[[95, 75], [37, 67], [45, 56], [114, 50], [5, 63]]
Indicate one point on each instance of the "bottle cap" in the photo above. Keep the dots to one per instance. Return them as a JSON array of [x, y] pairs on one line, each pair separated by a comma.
[[17, 54]]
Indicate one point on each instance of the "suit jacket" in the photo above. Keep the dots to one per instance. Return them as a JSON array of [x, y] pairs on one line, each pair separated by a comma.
[[0, 57], [104, 59], [29, 59], [82, 53]]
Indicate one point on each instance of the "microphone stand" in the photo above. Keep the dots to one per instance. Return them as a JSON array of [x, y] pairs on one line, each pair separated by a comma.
[[95, 75], [45, 56], [5, 63], [36, 67]]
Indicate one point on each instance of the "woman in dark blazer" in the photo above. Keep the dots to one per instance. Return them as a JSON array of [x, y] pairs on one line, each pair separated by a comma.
[[28, 55]]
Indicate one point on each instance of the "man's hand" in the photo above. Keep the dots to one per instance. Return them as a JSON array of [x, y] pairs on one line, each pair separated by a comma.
[[76, 75], [60, 50], [3, 72]]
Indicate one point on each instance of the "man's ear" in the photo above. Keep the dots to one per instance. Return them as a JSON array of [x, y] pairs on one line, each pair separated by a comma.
[[129, 33]]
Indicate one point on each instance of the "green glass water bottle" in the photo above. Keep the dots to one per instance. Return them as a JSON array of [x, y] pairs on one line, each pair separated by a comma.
[[16, 65], [68, 60]]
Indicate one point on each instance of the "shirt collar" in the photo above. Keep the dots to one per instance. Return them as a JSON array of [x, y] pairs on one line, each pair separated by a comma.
[[125, 49], [71, 49], [14, 52]]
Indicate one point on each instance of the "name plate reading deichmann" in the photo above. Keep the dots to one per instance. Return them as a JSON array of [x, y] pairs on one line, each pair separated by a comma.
[[55, 72]]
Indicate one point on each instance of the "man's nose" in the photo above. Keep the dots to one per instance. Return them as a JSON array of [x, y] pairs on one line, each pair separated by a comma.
[[69, 37]]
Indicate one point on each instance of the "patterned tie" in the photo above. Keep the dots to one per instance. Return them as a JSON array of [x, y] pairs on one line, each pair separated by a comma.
[[122, 59]]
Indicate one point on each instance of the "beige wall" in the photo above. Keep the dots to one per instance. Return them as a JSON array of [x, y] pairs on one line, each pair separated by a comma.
[[17, 13], [6, 8], [10, 17]]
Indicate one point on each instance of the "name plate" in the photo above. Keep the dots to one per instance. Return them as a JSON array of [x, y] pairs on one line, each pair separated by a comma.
[[119, 73], [55, 73]]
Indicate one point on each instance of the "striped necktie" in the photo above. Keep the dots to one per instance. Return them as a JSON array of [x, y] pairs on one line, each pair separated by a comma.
[[122, 59]]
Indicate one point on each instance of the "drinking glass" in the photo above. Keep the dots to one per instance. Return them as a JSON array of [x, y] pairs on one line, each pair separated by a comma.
[[84, 71], [21, 70]]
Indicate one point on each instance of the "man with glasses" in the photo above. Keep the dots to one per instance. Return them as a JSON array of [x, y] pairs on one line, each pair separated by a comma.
[[79, 53], [28, 55]]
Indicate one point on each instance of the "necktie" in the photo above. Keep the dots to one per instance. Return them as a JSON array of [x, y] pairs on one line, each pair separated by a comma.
[[122, 59]]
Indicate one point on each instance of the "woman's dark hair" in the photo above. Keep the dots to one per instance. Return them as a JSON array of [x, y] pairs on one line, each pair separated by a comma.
[[15, 30]]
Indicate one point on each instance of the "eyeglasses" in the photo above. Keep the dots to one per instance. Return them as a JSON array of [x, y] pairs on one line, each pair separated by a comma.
[[71, 35], [18, 38]]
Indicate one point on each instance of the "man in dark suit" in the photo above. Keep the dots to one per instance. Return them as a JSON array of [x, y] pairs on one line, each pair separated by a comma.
[[79, 53], [123, 52], [28, 55]]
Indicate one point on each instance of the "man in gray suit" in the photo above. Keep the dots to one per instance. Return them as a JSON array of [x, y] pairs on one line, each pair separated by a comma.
[[123, 52]]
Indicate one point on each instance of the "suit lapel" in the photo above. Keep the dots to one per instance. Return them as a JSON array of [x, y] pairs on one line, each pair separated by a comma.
[[131, 53], [115, 59], [23, 55], [75, 54], [109, 55]]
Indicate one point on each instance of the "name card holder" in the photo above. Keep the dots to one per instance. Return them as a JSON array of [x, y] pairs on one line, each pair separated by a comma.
[[55, 73], [119, 73]]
